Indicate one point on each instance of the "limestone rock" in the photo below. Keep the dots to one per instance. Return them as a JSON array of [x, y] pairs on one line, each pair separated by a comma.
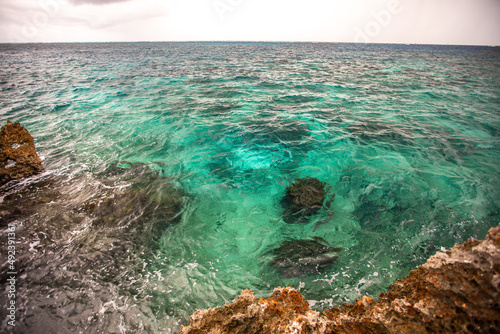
[[18, 157], [284, 312], [457, 291]]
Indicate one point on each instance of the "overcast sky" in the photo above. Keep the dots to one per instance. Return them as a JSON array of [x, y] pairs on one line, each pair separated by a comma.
[[375, 21]]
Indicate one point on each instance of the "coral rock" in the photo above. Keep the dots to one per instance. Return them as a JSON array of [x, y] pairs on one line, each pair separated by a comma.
[[284, 312], [457, 291], [18, 157], [303, 198]]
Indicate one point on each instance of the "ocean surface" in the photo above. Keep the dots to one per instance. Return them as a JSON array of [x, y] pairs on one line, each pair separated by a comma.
[[166, 165]]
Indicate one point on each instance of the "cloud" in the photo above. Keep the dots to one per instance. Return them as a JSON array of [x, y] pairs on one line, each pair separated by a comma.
[[126, 15], [58, 21], [423, 21], [96, 2]]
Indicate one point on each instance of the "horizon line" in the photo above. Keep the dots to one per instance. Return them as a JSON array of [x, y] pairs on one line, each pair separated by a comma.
[[255, 42]]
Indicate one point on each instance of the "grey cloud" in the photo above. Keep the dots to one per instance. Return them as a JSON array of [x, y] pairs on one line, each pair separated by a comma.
[[96, 2]]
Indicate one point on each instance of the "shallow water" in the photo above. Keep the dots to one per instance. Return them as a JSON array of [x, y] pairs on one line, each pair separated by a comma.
[[166, 164]]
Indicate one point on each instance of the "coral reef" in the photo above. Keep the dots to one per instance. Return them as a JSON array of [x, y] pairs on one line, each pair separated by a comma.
[[299, 258], [81, 238], [18, 157], [127, 199], [303, 198], [457, 291]]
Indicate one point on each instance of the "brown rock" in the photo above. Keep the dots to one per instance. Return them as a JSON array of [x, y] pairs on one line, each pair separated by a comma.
[[303, 198], [18, 157], [284, 312], [306, 193], [303, 257], [457, 291]]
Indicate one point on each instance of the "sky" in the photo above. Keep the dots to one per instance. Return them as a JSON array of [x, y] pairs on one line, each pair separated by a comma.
[[469, 22]]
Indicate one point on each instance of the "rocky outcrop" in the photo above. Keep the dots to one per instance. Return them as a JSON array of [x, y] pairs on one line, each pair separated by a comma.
[[303, 198], [303, 257], [18, 157], [284, 312], [457, 291]]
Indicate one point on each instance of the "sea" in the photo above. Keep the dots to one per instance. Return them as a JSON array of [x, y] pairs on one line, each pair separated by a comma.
[[166, 165]]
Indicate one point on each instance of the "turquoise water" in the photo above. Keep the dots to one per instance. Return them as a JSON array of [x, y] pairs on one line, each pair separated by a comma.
[[407, 137]]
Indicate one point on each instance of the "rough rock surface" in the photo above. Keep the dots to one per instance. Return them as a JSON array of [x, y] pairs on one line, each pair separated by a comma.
[[457, 291], [284, 312], [18, 157], [303, 257], [303, 198]]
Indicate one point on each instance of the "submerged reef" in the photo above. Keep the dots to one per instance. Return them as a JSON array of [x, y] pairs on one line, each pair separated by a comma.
[[456, 291], [300, 258], [85, 233], [303, 198], [127, 198], [18, 157]]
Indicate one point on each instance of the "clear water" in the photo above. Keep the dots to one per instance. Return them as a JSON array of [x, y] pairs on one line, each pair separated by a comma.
[[408, 138]]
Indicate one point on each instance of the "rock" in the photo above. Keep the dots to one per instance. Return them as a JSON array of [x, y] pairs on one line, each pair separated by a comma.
[[303, 198], [284, 312], [457, 291], [28, 201], [18, 157], [300, 258], [159, 206], [149, 197]]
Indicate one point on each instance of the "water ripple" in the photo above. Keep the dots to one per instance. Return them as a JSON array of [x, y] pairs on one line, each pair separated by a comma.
[[167, 163]]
